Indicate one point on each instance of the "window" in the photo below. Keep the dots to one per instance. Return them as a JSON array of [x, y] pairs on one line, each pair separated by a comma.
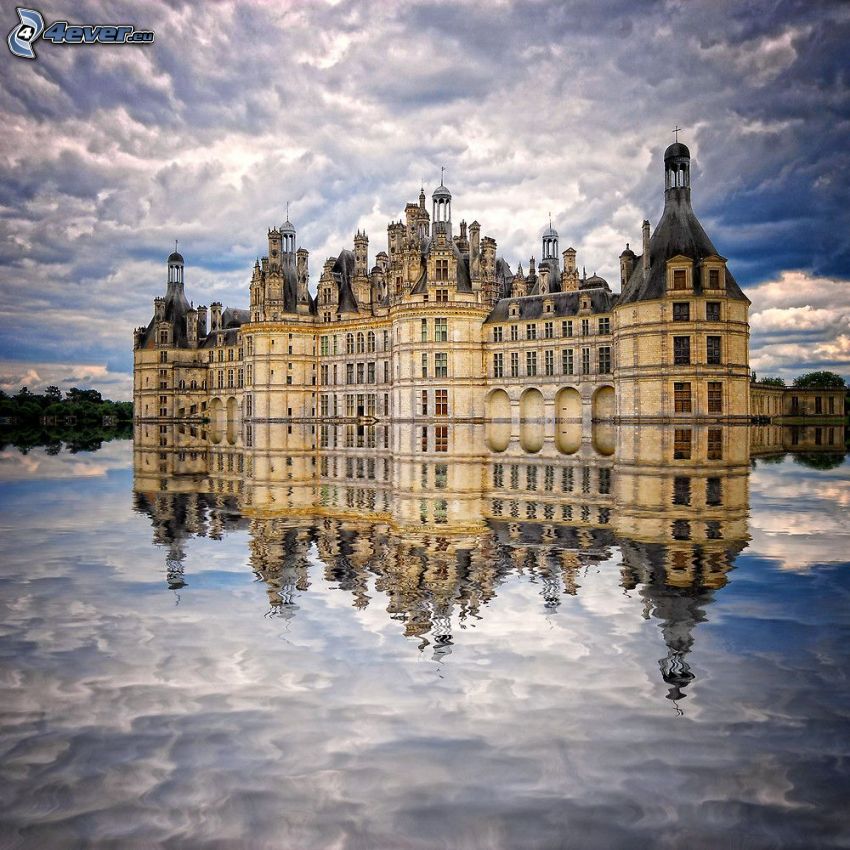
[[714, 278], [163, 357], [548, 330], [682, 444], [386, 340], [585, 327], [514, 364], [531, 363], [324, 348], [715, 397], [681, 490], [605, 325], [423, 334], [681, 350], [497, 334], [441, 403], [441, 438], [681, 311], [441, 365], [324, 375], [715, 444], [361, 343], [514, 333], [585, 361], [370, 342], [370, 372], [567, 361], [549, 362], [712, 350], [713, 492], [680, 279], [349, 373], [424, 407], [424, 365], [423, 440], [441, 330], [712, 311], [498, 365], [163, 337], [323, 405], [567, 328], [531, 331], [604, 357], [349, 343], [682, 397]]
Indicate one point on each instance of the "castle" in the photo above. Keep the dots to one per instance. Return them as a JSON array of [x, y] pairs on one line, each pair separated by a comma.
[[440, 328]]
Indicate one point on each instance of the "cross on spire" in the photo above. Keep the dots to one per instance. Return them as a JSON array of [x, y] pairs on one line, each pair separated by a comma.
[[442, 169], [287, 210], [175, 246], [676, 130], [550, 219]]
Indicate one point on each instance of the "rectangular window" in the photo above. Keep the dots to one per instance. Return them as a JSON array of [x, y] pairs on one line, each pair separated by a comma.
[[498, 365], [531, 363], [323, 405], [715, 444], [514, 364], [681, 490], [713, 492], [549, 362], [680, 279], [682, 444], [497, 334], [585, 327], [605, 325], [424, 331], [441, 330], [370, 372], [514, 333], [441, 365], [681, 311], [567, 361], [712, 350], [441, 438], [548, 330], [712, 311], [714, 278], [682, 397], [361, 373], [325, 348], [681, 350], [442, 269], [423, 440], [424, 365], [424, 407], [441, 403], [349, 373], [567, 328], [604, 357], [531, 331], [715, 397], [585, 361], [442, 296]]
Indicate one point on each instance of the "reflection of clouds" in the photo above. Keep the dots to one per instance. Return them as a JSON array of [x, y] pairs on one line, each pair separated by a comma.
[[130, 719], [38, 464], [799, 516]]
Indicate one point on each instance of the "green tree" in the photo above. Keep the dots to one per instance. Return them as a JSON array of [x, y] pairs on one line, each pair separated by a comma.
[[771, 382], [53, 393], [823, 378]]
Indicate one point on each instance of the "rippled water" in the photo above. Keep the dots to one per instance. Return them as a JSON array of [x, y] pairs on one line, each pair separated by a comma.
[[353, 649]]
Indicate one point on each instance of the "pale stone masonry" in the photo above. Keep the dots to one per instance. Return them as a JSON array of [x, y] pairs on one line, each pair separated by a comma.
[[440, 328]]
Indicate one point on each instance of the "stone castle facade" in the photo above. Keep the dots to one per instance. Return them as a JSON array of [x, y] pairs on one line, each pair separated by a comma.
[[440, 327]]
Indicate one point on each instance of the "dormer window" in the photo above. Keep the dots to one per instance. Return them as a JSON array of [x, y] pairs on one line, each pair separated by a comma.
[[547, 306], [680, 280], [514, 311]]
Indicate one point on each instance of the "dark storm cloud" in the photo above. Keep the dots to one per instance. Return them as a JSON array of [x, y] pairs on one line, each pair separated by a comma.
[[108, 154]]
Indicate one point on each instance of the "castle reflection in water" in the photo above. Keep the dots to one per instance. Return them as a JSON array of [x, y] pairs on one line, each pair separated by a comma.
[[438, 531]]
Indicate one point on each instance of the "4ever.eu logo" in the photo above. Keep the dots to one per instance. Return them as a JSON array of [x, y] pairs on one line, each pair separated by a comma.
[[30, 28]]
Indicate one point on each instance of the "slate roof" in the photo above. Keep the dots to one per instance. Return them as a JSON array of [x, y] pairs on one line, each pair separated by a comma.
[[563, 304], [678, 232], [176, 307], [343, 272]]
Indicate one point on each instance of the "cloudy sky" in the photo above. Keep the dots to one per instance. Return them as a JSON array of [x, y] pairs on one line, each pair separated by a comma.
[[109, 154]]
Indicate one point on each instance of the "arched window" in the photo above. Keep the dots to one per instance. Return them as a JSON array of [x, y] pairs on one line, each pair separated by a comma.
[[361, 343], [371, 341], [349, 343]]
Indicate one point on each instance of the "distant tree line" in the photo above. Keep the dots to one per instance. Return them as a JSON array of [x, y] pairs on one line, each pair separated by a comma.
[[84, 407], [822, 379]]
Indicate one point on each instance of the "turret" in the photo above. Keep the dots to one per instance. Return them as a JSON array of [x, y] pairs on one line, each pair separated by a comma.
[[677, 172], [569, 276], [202, 321], [544, 285], [550, 242], [192, 327], [475, 254], [159, 308], [361, 254], [287, 235], [488, 269], [645, 234], [138, 335], [302, 278], [215, 316], [175, 272], [442, 206], [627, 264]]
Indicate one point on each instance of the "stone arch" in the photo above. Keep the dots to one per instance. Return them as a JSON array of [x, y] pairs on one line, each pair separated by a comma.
[[232, 419], [217, 420], [603, 436], [531, 420], [603, 404], [498, 420], [568, 405]]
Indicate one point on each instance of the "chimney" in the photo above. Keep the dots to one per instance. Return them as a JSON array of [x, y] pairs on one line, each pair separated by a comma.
[[202, 321], [215, 316]]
